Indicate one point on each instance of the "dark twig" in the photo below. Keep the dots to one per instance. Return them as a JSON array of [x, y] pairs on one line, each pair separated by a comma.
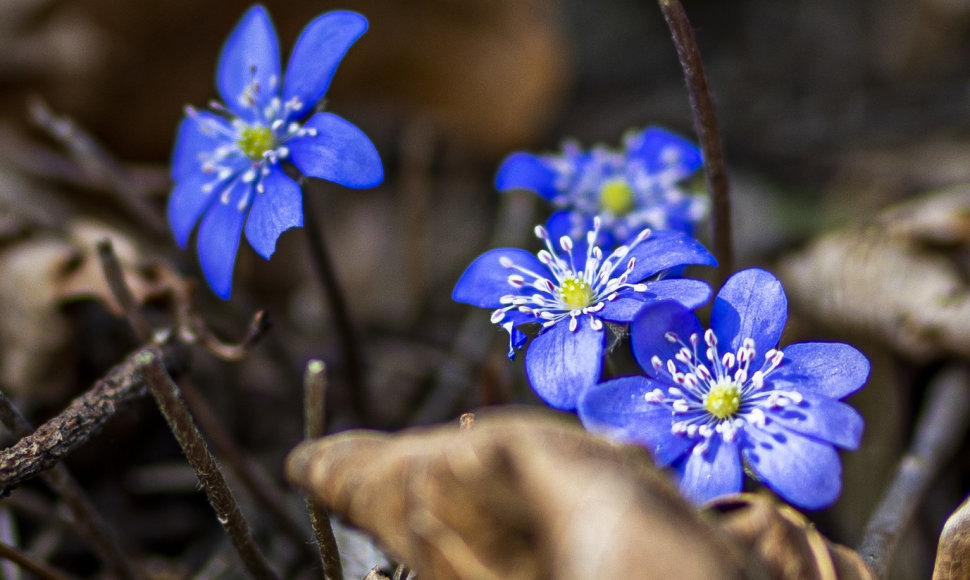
[[705, 124], [168, 397], [314, 407], [115, 277], [200, 333], [941, 428], [249, 473], [338, 305], [35, 567], [82, 419], [101, 167], [90, 525]]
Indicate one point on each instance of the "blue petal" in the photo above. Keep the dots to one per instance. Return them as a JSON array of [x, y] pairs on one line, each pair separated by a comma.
[[664, 250], [486, 280], [527, 171], [250, 53], [752, 304], [340, 152], [623, 308], [660, 150], [319, 49], [647, 333], [187, 204], [277, 209], [801, 470], [690, 293], [560, 363], [617, 409], [218, 240], [712, 473], [822, 418], [832, 369], [195, 137]]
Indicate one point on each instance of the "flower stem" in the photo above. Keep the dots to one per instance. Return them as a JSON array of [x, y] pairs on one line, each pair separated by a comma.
[[940, 430], [338, 304], [314, 405], [168, 397], [705, 124]]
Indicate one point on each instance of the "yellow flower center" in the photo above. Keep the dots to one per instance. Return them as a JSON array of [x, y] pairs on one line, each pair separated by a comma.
[[254, 141], [723, 400], [616, 197], [576, 293]]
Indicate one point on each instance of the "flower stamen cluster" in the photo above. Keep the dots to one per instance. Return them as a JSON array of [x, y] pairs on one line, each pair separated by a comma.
[[717, 393], [573, 291]]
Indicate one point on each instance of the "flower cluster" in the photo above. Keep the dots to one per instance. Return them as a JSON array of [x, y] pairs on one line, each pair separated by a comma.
[[227, 162], [629, 190], [716, 400], [570, 287]]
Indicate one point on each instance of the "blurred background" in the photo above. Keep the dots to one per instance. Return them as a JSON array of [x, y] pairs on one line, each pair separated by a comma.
[[830, 111]]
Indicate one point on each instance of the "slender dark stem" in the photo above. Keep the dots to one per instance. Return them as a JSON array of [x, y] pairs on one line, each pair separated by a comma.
[[168, 397], [315, 394], [341, 314], [705, 124], [35, 567], [941, 428], [89, 522], [120, 289], [250, 474]]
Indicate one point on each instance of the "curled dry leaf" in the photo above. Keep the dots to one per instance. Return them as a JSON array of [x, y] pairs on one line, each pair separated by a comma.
[[899, 278], [41, 273], [782, 543], [953, 551], [520, 495]]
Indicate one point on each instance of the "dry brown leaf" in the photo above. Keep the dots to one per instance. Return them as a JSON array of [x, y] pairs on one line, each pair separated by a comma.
[[897, 278], [520, 495], [43, 272], [953, 551], [782, 543]]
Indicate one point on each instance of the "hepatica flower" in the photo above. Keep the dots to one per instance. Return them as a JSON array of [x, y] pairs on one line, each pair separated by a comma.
[[570, 288], [714, 401], [632, 189], [227, 161]]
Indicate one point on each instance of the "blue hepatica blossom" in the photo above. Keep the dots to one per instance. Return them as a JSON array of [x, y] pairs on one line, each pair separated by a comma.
[[226, 164], [719, 399], [630, 190], [571, 288]]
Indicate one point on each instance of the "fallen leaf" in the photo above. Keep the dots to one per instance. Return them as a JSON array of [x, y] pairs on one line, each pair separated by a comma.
[[782, 543], [522, 494], [953, 551], [898, 278]]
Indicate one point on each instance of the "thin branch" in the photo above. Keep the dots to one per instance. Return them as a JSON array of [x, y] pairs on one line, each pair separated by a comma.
[[315, 394], [115, 277], [35, 567], [349, 341], [83, 418], [168, 397], [705, 124], [249, 473], [941, 427], [101, 167], [90, 525]]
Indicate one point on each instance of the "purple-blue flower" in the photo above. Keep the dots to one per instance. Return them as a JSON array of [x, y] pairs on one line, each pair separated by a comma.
[[227, 162], [716, 401], [570, 288], [632, 189]]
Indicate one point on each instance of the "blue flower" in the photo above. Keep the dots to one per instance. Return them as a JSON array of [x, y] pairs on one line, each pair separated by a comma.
[[226, 164], [717, 400], [571, 291], [630, 190]]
